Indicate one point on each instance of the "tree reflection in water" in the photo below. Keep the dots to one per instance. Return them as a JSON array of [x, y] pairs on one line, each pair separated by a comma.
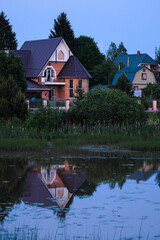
[[12, 180]]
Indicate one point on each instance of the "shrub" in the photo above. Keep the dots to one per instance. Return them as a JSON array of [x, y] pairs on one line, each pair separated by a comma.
[[45, 117], [105, 106]]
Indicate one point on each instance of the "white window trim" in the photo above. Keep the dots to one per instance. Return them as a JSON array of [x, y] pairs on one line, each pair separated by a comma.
[[52, 78]]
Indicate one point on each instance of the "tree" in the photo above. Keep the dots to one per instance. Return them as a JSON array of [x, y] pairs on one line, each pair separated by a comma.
[[7, 36], [80, 93], [62, 28], [12, 65], [114, 51], [158, 55], [121, 49], [124, 85], [88, 53], [12, 100], [103, 73], [152, 90]]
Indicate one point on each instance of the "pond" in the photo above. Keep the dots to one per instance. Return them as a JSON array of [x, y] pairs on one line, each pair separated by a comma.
[[80, 197]]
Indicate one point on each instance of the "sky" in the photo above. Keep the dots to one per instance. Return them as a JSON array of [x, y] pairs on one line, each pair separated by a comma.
[[134, 22]]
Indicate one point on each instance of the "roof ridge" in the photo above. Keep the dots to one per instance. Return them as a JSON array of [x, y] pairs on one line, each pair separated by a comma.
[[38, 40]]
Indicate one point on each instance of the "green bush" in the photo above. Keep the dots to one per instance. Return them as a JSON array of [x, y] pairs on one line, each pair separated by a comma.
[[45, 118], [105, 106]]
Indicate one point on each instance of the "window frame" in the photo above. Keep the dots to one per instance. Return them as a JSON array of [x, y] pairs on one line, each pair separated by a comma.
[[49, 73], [144, 76], [80, 81], [71, 94]]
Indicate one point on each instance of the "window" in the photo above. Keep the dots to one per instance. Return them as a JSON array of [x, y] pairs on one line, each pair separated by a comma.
[[144, 76], [71, 88], [144, 69], [136, 88], [50, 74], [60, 55], [80, 83]]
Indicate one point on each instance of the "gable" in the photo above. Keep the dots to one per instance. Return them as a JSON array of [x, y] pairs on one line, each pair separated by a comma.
[[40, 53], [134, 75], [129, 72], [140, 80], [62, 49]]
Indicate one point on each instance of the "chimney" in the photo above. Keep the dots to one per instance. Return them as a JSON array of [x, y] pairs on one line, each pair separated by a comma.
[[138, 52], [128, 61]]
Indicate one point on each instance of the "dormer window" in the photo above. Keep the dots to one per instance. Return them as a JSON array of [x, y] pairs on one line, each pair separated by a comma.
[[49, 74], [61, 55]]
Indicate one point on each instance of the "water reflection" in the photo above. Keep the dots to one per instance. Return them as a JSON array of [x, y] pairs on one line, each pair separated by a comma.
[[103, 192], [52, 187], [12, 179], [145, 172]]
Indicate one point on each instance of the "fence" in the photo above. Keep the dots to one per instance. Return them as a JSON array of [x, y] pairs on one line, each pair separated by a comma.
[[152, 104], [57, 103]]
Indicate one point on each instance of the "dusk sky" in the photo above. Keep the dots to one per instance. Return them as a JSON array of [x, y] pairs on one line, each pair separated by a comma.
[[134, 22]]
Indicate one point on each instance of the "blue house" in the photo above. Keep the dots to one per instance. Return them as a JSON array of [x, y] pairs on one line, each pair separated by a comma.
[[132, 60], [139, 77]]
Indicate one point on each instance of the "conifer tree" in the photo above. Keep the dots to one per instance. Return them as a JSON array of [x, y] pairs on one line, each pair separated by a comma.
[[123, 84], [7, 36], [121, 49], [62, 28], [114, 51]]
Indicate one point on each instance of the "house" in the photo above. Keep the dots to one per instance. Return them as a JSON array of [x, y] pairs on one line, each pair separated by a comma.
[[132, 60], [53, 187], [52, 69], [139, 76]]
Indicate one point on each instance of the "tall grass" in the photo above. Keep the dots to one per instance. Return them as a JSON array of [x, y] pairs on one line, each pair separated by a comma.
[[137, 137]]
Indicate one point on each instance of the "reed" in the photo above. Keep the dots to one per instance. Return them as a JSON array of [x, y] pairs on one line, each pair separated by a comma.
[[145, 137]]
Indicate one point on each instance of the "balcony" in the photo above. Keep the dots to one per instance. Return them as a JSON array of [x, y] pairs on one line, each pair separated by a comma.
[[51, 81]]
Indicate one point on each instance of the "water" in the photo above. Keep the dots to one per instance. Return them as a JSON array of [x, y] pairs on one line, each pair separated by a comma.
[[80, 198]]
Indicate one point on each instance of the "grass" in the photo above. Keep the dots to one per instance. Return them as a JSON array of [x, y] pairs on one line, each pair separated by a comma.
[[23, 144], [144, 138], [150, 143], [27, 233]]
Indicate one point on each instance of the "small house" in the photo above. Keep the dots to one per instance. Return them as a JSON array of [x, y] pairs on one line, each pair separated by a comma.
[[139, 77]]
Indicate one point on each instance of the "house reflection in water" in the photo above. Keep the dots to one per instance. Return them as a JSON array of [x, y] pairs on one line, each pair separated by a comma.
[[52, 187], [145, 172]]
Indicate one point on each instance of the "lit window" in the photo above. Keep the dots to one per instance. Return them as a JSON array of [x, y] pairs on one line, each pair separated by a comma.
[[144, 76], [71, 88]]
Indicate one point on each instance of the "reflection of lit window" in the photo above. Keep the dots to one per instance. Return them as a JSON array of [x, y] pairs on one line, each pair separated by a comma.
[[60, 193], [71, 88], [144, 76]]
